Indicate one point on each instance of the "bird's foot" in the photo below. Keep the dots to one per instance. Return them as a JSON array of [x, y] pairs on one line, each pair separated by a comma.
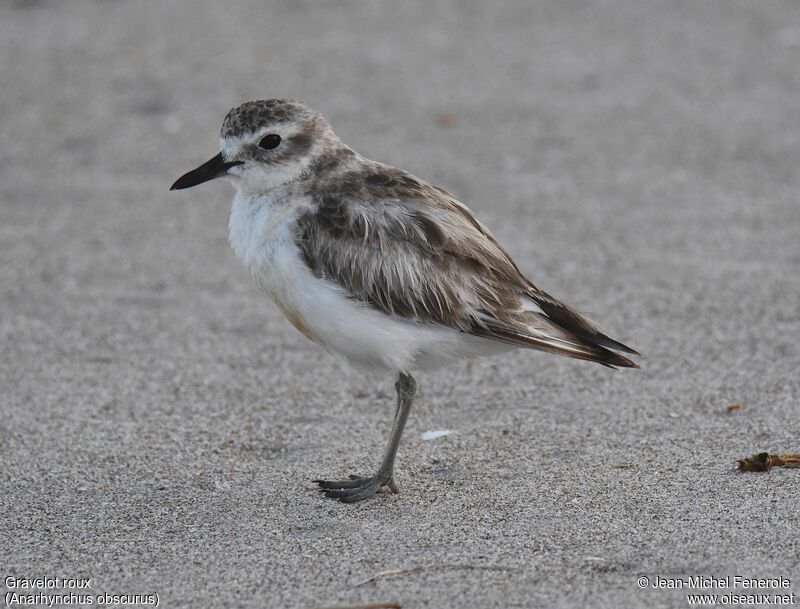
[[357, 488]]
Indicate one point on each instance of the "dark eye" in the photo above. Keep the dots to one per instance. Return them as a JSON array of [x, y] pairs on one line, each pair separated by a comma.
[[270, 142]]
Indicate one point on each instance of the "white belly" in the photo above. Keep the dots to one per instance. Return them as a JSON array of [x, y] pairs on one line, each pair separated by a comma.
[[262, 235]]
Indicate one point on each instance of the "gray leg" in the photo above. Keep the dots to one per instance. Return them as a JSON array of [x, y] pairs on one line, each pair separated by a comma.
[[361, 487]]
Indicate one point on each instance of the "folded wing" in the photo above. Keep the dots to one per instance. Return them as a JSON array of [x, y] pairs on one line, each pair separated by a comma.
[[412, 250]]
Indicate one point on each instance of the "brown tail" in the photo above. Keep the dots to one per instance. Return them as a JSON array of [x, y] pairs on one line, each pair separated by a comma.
[[571, 346]]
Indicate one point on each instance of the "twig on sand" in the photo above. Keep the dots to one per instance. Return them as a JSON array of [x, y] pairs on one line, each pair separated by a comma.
[[431, 567], [763, 462], [386, 605]]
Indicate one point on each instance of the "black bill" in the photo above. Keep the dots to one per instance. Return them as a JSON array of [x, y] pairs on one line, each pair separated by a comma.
[[213, 168]]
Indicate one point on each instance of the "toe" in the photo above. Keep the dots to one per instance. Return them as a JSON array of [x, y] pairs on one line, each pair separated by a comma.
[[359, 494], [356, 488], [352, 482], [339, 493]]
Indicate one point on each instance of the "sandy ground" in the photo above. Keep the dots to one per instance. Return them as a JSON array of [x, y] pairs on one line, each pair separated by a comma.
[[160, 422]]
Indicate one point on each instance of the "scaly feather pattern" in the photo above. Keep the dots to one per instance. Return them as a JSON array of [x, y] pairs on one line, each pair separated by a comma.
[[412, 250]]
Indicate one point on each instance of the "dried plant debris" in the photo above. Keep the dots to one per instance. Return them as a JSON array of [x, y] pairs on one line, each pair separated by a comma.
[[432, 566], [446, 119], [388, 605], [734, 406], [762, 462]]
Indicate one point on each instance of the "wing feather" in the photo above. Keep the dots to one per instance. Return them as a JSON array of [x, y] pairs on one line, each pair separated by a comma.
[[412, 250]]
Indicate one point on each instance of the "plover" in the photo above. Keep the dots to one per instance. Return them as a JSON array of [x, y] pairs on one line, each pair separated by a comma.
[[376, 265]]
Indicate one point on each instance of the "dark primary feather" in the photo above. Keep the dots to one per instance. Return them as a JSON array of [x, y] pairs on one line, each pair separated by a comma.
[[411, 249]]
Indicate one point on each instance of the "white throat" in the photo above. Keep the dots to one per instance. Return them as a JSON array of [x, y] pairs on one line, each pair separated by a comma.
[[254, 179]]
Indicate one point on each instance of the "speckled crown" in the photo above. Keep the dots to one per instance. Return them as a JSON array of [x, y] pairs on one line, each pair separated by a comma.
[[253, 115]]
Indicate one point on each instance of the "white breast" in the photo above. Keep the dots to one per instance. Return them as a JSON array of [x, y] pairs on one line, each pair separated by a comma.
[[262, 234]]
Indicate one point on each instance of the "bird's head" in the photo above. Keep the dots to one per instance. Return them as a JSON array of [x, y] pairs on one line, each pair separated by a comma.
[[265, 144]]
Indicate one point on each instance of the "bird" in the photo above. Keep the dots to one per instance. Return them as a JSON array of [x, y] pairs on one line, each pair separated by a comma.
[[378, 266]]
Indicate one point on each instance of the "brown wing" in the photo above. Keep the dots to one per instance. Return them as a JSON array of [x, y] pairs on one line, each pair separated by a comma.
[[412, 250]]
